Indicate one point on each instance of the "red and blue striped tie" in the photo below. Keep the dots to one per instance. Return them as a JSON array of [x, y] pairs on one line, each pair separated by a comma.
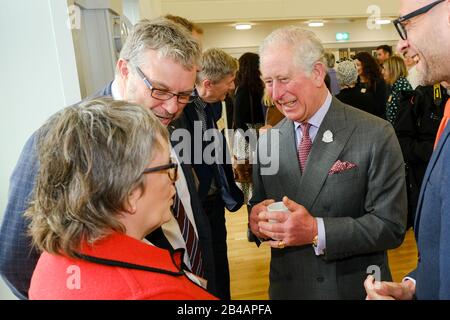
[[190, 237]]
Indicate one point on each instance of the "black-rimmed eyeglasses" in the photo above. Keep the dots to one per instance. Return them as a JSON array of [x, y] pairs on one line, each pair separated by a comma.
[[161, 94], [172, 170], [398, 23]]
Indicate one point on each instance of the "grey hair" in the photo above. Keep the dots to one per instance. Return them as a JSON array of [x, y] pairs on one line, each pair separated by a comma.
[[216, 65], [166, 37], [346, 73], [91, 157], [307, 47]]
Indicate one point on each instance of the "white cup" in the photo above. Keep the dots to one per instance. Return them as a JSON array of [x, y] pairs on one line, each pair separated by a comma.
[[279, 207]]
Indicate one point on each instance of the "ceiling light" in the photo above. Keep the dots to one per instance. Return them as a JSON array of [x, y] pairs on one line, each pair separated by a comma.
[[316, 24], [383, 21], [243, 26]]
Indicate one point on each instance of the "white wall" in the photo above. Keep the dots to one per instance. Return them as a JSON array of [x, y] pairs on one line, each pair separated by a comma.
[[39, 77], [150, 9]]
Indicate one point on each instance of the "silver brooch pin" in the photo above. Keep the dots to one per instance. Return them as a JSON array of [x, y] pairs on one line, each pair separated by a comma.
[[327, 136]]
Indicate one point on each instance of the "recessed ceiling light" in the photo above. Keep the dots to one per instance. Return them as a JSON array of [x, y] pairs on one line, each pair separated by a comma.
[[383, 21], [316, 24], [243, 26]]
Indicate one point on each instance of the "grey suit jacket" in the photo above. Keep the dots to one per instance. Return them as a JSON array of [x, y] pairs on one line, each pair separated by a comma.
[[364, 208]]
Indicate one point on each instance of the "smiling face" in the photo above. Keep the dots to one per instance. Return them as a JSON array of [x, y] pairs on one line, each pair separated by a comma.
[[297, 95], [428, 40], [163, 73]]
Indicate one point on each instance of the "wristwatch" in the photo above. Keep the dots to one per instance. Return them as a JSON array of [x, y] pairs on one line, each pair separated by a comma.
[[315, 241]]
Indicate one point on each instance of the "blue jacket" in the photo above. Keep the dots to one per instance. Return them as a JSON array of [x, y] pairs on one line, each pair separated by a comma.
[[432, 226]]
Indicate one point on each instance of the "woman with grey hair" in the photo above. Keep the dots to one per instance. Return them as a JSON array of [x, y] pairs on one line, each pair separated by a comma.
[[106, 181], [347, 76]]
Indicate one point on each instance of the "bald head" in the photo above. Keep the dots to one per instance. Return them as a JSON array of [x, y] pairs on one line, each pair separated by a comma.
[[428, 43]]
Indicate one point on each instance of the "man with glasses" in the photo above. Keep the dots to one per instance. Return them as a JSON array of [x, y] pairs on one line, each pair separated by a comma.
[[157, 69], [425, 31], [217, 188]]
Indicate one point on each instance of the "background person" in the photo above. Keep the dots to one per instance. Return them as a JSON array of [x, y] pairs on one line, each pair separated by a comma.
[[371, 82], [395, 73], [217, 188], [384, 52], [347, 75], [334, 85]]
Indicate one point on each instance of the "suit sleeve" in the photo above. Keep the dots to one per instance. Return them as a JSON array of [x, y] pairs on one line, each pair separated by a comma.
[[382, 224], [258, 193], [17, 257], [444, 243]]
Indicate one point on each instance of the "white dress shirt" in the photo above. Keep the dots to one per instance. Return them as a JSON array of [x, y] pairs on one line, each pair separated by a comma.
[[315, 122]]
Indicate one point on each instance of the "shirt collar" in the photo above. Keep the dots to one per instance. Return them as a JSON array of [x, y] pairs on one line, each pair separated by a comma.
[[199, 103], [115, 91], [317, 118]]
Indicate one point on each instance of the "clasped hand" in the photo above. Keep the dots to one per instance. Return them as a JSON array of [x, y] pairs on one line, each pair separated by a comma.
[[296, 228]]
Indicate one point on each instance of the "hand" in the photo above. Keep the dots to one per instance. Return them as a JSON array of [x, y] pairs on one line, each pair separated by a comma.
[[295, 229], [389, 290], [254, 217]]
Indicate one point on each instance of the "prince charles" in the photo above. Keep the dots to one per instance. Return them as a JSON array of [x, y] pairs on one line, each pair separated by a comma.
[[341, 175]]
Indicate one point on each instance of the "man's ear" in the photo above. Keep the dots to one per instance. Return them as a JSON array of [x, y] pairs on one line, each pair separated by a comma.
[[207, 83], [318, 74], [122, 67]]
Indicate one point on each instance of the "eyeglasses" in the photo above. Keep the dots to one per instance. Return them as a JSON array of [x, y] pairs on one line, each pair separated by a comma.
[[161, 94], [172, 170], [398, 23]]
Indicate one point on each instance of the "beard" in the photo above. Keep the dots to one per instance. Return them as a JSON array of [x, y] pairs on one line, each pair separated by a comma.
[[435, 67], [434, 72]]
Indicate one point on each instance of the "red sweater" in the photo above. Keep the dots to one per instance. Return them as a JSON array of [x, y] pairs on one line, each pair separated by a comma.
[[60, 277]]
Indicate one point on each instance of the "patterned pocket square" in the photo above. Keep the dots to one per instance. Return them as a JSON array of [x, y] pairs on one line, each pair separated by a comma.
[[340, 166]]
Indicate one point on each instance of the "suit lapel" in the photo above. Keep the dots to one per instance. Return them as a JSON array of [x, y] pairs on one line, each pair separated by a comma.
[[430, 167], [323, 155], [190, 113]]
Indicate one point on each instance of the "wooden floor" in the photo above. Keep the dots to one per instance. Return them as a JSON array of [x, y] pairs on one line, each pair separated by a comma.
[[249, 265]]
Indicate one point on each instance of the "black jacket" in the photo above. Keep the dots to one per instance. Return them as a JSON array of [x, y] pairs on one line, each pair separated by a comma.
[[355, 98], [231, 194], [416, 126], [247, 108]]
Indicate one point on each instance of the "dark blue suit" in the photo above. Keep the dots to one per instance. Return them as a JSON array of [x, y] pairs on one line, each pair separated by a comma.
[[432, 226], [18, 259], [228, 194]]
